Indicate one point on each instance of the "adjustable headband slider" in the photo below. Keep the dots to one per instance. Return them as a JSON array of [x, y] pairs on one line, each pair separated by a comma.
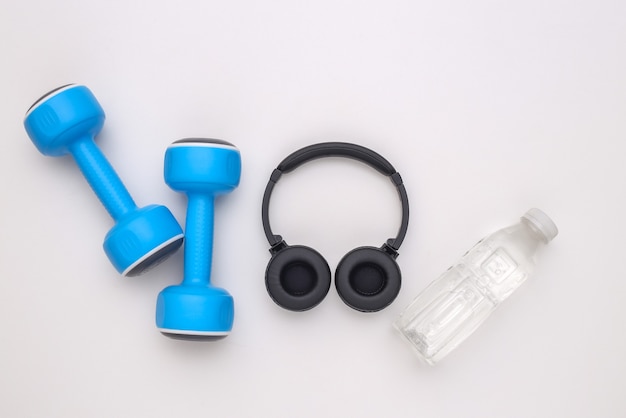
[[275, 176], [396, 178]]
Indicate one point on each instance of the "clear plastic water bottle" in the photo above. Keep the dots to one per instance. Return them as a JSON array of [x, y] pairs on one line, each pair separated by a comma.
[[456, 303]]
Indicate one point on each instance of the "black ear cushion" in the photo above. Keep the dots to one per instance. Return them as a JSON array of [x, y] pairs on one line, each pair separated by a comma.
[[297, 278], [368, 279]]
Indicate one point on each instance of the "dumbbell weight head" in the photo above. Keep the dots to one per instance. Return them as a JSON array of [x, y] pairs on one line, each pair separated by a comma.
[[196, 310], [62, 116], [202, 165], [142, 239], [199, 313]]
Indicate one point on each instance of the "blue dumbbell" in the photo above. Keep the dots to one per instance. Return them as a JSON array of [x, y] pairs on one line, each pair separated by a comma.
[[66, 121], [196, 310]]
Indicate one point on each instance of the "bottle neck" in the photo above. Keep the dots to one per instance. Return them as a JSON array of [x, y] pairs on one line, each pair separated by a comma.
[[526, 237], [533, 230]]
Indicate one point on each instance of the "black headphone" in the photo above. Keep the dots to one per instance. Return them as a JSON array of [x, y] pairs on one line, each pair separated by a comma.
[[367, 279]]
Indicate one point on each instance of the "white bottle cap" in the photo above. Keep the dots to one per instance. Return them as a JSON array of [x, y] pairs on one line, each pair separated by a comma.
[[542, 223]]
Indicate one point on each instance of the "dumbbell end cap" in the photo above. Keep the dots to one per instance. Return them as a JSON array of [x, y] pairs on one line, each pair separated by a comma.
[[48, 95], [155, 257], [183, 335]]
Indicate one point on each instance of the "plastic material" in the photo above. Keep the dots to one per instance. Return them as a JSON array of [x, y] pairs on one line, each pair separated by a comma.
[[298, 278], [336, 149], [65, 121], [455, 304], [367, 279], [194, 309]]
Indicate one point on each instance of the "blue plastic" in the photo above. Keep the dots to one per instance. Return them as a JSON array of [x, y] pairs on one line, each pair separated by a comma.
[[139, 235], [66, 121], [203, 170]]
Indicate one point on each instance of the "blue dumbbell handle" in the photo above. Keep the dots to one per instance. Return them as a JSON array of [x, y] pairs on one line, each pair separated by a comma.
[[102, 177], [198, 239]]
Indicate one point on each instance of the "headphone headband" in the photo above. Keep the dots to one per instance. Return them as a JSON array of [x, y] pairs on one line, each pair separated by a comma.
[[336, 149]]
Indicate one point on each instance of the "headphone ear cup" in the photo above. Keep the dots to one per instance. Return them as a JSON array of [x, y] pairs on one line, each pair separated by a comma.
[[368, 279], [297, 278]]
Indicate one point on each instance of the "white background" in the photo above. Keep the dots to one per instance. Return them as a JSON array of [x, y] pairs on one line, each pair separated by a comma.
[[486, 107]]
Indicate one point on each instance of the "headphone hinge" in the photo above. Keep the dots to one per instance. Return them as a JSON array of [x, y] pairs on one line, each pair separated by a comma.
[[389, 249], [279, 245]]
